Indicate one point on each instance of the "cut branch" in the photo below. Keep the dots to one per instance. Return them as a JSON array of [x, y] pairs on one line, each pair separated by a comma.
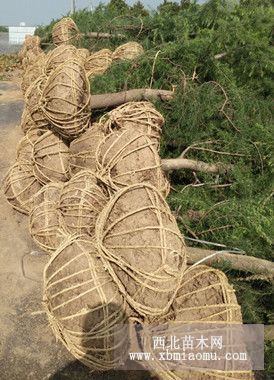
[[102, 35], [238, 262], [199, 166], [220, 55], [116, 99]]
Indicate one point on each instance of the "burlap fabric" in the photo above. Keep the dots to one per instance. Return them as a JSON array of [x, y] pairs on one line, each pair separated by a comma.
[[128, 51], [50, 156], [65, 31], [82, 151], [20, 185], [45, 222], [98, 62], [141, 117], [82, 199], [205, 296], [66, 99], [84, 306], [137, 233], [127, 157], [25, 146]]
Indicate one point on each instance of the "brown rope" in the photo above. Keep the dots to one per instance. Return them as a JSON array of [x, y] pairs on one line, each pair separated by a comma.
[[82, 151], [50, 156], [85, 309], [20, 186], [126, 157], [204, 296], [138, 235], [45, 223], [25, 146], [98, 62], [128, 51], [82, 199], [65, 100], [65, 31], [136, 116]]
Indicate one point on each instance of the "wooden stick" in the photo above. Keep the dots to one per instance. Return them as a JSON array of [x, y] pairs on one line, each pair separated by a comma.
[[116, 99], [199, 166], [102, 35], [239, 262]]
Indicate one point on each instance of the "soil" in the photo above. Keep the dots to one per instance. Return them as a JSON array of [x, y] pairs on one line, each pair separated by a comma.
[[28, 348]]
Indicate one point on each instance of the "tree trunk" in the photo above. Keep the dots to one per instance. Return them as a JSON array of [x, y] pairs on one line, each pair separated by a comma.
[[239, 262], [111, 100], [199, 166]]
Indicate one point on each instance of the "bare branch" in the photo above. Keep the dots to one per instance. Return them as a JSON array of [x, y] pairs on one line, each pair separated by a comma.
[[199, 166], [240, 262], [116, 99]]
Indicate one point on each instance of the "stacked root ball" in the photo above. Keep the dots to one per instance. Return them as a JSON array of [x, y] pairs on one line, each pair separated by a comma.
[[95, 194]]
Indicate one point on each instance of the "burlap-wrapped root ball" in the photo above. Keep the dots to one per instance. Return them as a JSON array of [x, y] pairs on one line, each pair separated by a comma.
[[30, 43], [26, 120], [83, 54], [20, 186], [127, 157], [51, 159], [128, 51], [32, 72], [82, 151], [98, 62], [33, 100], [137, 233], [85, 309], [65, 31], [82, 199], [66, 99], [141, 117], [25, 146], [31, 57], [58, 56], [46, 223], [205, 296]]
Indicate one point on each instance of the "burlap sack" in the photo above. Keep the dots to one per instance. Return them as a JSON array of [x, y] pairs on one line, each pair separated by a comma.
[[20, 185], [25, 146], [205, 296], [58, 56], [83, 54], [31, 56], [85, 309], [34, 92], [30, 43], [98, 62], [82, 199], [33, 98], [66, 99], [137, 233], [65, 31], [26, 120], [127, 157], [141, 117], [128, 51], [50, 156], [32, 72], [82, 151], [46, 223]]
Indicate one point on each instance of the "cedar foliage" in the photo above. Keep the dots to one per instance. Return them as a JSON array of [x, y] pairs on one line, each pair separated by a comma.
[[221, 113]]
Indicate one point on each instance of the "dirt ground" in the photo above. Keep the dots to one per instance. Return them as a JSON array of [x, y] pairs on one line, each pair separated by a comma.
[[28, 348]]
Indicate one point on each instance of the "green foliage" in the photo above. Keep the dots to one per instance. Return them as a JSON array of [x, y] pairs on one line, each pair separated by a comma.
[[221, 113], [3, 29]]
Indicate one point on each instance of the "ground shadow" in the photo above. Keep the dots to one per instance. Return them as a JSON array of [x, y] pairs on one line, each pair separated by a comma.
[[76, 370]]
